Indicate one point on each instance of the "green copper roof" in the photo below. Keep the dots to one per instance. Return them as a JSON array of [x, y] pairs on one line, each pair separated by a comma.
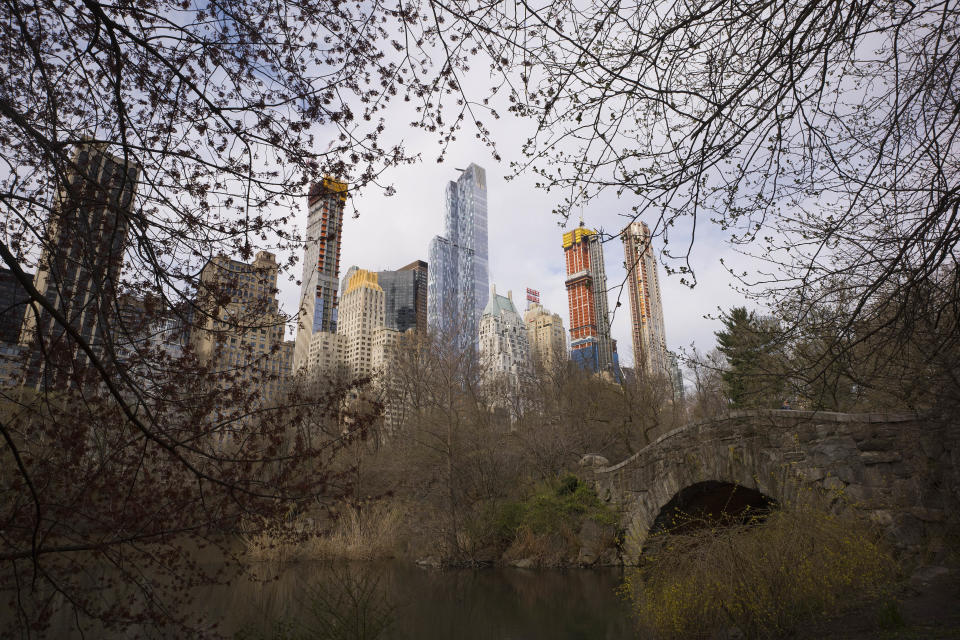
[[498, 304]]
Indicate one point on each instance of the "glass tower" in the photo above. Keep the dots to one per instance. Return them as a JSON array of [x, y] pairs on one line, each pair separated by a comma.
[[458, 279], [405, 294]]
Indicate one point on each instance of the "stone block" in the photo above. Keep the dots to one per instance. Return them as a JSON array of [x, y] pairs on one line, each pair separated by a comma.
[[812, 474], [832, 452], [923, 576], [928, 515], [825, 429], [861, 431], [931, 447], [862, 493], [880, 457], [848, 473], [873, 476], [875, 444], [524, 563], [833, 483]]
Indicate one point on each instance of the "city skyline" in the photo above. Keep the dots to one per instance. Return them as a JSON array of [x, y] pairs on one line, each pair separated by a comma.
[[524, 252]]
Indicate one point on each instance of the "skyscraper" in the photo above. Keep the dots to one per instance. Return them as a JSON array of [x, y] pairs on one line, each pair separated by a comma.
[[405, 297], [13, 306], [79, 265], [646, 311], [240, 336], [321, 265], [545, 332], [504, 347], [362, 317], [504, 352], [459, 276], [590, 343]]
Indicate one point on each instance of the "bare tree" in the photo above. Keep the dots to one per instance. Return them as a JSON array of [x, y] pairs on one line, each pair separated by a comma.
[[138, 142], [820, 135]]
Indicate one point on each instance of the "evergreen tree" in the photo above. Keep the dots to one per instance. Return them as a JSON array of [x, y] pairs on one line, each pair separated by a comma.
[[753, 376]]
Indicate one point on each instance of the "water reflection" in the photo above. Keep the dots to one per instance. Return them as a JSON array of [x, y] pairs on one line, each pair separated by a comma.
[[507, 604]]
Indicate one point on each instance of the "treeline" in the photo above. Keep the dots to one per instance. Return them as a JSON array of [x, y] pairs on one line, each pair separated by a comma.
[[836, 356], [486, 469]]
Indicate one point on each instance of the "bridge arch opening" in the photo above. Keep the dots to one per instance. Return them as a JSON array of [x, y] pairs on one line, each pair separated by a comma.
[[711, 504]]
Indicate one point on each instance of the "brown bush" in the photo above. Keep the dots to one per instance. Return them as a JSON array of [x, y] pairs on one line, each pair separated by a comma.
[[802, 562]]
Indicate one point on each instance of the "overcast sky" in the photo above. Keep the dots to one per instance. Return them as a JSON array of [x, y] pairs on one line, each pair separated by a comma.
[[524, 237]]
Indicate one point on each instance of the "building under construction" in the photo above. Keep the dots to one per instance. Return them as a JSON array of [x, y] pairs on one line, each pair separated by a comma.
[[590, 342], [321, 265]]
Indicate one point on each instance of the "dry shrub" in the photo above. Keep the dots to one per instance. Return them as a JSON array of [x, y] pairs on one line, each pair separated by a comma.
[[362, 534], [802, 562], [367, 533], [545, 549]]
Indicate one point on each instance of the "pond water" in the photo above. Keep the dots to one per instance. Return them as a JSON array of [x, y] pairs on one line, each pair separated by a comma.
[[427, 604], [413, 603]]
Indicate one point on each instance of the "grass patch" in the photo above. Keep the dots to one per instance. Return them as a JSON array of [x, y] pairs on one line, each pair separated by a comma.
[[359, 534]]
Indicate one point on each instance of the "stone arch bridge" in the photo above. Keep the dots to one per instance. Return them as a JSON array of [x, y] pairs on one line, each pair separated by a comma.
[[903, 469]]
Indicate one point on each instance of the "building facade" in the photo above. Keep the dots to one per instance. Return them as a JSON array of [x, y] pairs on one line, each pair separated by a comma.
[[459, 275], [327, 356], [504, 346], [546, 335], [383, 349], [79, 266], [646, 310], [362, 314], [13, 306], [321, 265], [405, 297], [152, 337], [590, 343], [244, 337]]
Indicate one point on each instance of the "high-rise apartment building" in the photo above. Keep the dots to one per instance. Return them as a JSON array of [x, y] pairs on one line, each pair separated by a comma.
[[384, 348], [362, 314], [405, 297], [327, 356], [590, 342], [646, 311], [147, 330], [459, 277], [80, 265], [345, 279], [421, 280], [13, 306], [245, 335], [321, 265], [546, 335], [504, 347]]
